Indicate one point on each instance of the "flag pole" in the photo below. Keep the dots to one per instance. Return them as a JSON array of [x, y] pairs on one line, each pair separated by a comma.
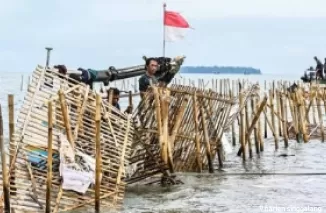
[[164, 9]]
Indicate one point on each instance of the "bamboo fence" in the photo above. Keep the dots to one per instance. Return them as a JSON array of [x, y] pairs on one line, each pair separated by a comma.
[[91, 126]]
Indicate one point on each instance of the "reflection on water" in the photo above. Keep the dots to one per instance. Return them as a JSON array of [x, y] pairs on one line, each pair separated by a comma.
[[244, 193]]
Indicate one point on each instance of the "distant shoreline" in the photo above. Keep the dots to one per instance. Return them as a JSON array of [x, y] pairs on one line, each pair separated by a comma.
[[220, 70]]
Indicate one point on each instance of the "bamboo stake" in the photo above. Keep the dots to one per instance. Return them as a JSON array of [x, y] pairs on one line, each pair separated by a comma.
[[284, 121], [265, 123], [233, 123], [248, 139], [271, 95], [207, 142], [254, 112], [165, 116], [279, 111], [49, 166], [123, 153], [297, 125], [241, 107], [320, 117], [242, 128], [5, 179], [177, 122], [313, 108], [197, 142], [260, 133], [270, 124], [11, 143], [66, 118], [301, 114], [79, 124], [159, 122], [98, 152], [285, 103], [130, 109], [254, 121]]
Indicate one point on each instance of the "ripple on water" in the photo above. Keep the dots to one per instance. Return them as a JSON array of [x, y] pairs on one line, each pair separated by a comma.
[[245, 193]]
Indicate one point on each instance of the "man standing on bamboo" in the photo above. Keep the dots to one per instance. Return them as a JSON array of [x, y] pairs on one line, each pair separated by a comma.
[[148, 79]]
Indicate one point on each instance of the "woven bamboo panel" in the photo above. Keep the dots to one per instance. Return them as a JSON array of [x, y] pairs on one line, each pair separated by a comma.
[[31, 134], [191, 125]]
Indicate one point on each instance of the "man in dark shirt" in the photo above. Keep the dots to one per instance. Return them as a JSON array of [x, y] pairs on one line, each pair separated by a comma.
[[148, 78], [115, 98]]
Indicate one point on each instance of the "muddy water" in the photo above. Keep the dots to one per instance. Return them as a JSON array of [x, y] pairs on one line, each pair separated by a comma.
[[251, 187], [285, 185]]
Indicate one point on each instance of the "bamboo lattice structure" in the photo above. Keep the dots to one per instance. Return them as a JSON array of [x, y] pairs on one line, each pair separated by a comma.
[[75, 120], [179, 130]]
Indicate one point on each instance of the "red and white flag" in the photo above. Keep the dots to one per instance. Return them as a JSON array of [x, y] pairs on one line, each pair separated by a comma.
[[175, 26]]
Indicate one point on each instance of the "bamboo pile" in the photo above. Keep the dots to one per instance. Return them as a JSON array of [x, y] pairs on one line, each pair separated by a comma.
[[179, 130], [288, 112], [308, 106], [56, 110]]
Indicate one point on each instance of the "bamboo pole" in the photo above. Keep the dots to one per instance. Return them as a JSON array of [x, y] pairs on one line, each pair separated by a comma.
[[284, 120], [233, 123], [271, 102], [158, 109], [167, 156], [248, 139], [279, 111], [98, 152], [79, 124], [11, 144], [66, 118], [254, 112], [177, 122], [49, 161], [207, 142], [254, 121], [5, 180], [130, 107], [197, 142], [285, 103], [301, 114], [320, 117], [265, 118], [293, 110], [313, 108], [242, 128], [260, 132], [241, 106]]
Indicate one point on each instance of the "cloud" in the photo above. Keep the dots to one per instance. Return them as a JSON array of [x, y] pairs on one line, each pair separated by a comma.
[[118, 32]]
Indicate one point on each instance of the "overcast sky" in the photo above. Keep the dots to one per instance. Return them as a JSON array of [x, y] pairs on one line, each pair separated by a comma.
[[273, 35]]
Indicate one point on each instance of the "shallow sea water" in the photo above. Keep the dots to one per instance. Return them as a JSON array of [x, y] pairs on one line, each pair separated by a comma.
[[229, 190]]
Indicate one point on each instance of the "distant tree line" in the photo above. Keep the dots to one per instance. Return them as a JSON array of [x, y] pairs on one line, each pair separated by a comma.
[[220, 70]]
